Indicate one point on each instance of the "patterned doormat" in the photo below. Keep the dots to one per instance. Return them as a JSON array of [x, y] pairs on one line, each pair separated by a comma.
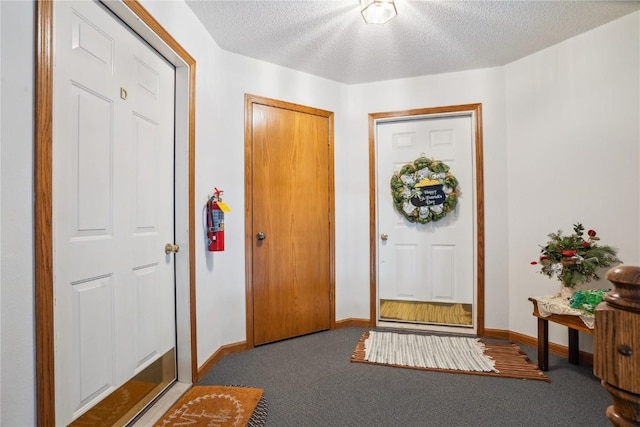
[[220, 406], [446, 354]]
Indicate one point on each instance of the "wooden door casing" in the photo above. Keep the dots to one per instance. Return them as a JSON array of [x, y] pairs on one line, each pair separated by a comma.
[[476, 111], [157, 36], [433, 261], [289, 198]]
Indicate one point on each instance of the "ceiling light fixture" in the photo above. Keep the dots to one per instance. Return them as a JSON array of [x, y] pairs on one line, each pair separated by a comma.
[[377, 11]]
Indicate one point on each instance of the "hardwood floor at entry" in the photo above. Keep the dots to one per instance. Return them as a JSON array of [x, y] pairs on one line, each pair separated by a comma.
[[426, 312]]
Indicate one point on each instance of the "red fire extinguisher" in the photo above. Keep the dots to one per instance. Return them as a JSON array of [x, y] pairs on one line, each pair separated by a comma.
[[215, 221]]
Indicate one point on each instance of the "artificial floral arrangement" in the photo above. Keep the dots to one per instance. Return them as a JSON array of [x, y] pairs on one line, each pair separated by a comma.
[[574, 260]]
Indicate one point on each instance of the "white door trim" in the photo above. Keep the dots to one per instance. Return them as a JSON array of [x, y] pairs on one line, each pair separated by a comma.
[[475, 111]]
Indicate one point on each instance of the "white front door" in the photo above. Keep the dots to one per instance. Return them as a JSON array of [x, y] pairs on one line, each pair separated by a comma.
[[432, 262], [113, 177]]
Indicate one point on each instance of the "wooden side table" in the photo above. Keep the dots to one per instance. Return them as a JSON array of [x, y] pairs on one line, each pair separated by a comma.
[[573, 323]]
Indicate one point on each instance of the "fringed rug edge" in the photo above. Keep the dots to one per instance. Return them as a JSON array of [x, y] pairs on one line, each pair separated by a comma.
[[519, 368]]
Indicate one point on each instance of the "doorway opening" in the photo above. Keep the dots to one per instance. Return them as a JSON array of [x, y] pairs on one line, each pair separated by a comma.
[[134, 15], [429, 275]]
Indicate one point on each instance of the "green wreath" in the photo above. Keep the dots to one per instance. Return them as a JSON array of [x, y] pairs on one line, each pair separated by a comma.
[[424, 191]]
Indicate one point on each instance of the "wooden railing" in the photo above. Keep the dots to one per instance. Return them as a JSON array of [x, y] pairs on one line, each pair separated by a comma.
[[616, 355]]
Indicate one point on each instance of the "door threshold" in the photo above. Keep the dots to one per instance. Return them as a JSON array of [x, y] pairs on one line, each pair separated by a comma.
[[458, 330], [154, 412]]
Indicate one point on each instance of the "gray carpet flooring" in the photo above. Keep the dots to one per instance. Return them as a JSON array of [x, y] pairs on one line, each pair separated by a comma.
[[310, 381]]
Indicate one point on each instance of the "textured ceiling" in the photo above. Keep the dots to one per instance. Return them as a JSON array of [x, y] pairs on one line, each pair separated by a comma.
[[330, 39]]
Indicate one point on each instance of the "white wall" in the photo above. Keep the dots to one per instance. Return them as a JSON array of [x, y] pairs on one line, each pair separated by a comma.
[[573, 150], [16, 265], [222, 81], [484, 86]]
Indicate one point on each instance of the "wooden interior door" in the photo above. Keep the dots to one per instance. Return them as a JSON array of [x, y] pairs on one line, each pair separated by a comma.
[[290, 228]]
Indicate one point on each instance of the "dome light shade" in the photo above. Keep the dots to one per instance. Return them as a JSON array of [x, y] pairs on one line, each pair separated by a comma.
[[377, 11]]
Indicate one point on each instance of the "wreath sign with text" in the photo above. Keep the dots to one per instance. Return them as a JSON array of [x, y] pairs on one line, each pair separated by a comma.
[[424, 191]]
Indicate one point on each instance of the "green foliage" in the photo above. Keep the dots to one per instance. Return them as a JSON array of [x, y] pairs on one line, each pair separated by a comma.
[[403, 189], [574, 259]]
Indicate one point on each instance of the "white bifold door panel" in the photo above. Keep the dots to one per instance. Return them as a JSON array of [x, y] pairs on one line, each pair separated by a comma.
[[112, 206]]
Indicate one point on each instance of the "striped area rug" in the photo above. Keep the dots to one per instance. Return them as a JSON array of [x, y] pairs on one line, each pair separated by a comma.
[[446, 354]]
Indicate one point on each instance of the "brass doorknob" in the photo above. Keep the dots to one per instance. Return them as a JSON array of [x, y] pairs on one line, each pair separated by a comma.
[[261, 236], [169, 247], [384, 236]]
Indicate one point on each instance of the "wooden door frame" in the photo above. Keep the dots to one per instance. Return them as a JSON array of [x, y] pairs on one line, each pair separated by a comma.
[[158, 37], [249, 101], [475, 111]]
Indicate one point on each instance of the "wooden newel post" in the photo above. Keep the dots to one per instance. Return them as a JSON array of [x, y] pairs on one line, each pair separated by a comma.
[[616, 355]]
